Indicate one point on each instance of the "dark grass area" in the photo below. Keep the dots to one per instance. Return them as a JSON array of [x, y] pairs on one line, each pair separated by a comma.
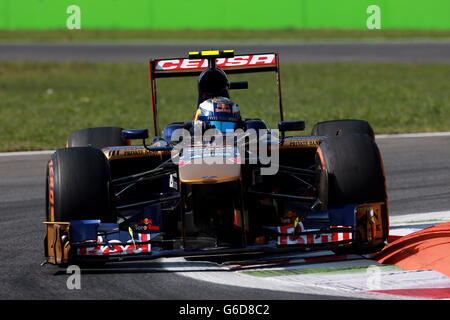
[[220, 35]]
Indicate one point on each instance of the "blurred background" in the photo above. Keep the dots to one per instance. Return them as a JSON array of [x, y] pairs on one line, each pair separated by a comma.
[[230, 14], [71, 64]]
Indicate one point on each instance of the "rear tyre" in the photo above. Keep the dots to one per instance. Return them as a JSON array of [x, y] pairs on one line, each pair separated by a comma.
[[255, 124], [342, 127], [78, 186], [100, 137]]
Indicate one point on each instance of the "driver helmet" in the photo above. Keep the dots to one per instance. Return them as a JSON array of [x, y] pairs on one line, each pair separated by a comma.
[[220, 112], [212, 83]]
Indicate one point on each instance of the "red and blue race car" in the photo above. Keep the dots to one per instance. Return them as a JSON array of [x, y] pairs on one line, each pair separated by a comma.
[[218, 184]]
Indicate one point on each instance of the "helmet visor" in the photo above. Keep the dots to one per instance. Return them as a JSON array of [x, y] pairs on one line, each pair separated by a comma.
[[224, 126]]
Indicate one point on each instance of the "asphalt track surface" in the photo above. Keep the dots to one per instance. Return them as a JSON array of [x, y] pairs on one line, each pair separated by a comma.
[[418, 180], [374, 51]]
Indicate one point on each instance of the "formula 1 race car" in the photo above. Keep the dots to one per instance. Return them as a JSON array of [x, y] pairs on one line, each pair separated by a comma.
[[218, 184]]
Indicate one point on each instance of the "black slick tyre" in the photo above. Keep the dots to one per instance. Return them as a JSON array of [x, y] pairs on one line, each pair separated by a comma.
[[355, 170], [342, 127], [78, 186]]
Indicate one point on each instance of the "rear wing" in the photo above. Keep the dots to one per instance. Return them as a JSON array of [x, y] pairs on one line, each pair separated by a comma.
[[199, 61]]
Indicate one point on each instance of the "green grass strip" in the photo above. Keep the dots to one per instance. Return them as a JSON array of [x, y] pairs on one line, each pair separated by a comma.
[[299, 271]]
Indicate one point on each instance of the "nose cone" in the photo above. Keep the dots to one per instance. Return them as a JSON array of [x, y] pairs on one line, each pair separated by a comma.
[[200, 165]]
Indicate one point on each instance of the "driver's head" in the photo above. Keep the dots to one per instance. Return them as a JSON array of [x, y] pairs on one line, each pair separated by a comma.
[[212, 83], [218, 112]]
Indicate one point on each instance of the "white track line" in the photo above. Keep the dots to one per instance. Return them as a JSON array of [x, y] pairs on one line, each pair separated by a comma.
[[415, 218], [413, 135], [25, 153]]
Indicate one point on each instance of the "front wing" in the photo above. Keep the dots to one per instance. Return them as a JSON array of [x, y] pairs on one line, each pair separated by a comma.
[[345, 226]]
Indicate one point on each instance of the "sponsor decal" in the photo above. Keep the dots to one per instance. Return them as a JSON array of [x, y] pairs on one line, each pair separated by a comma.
[[318, 238], [222, 108], [130, 152], [137, 152], [301, 143], [196, 64], [145, 225], [117, 249], [148, 223]]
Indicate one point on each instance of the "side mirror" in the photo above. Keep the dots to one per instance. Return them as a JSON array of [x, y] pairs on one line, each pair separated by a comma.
[[291, 126], [135, 134], [238, 85], [284, 126]]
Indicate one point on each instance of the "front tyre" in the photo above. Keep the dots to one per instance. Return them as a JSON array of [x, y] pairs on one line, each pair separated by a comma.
[[78, 186], [355, 169], [355, 176]]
